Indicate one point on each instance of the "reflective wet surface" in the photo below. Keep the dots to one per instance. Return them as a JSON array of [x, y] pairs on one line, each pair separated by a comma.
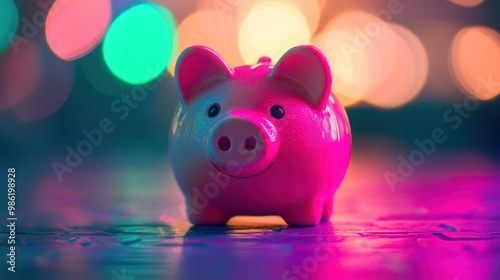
[[265, 249], [127, 222]]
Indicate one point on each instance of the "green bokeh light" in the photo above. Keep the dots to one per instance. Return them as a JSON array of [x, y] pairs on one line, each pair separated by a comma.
[[8, 23], [139, 44]]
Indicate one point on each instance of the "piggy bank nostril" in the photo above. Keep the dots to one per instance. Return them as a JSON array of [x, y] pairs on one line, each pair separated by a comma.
[[250, 143], [224, 143]]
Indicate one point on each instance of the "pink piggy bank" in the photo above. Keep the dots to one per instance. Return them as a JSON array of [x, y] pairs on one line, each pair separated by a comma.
[[258, 139]]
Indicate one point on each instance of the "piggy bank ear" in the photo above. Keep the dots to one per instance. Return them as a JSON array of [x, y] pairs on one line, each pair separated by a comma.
[[197, 66], [308, 67]]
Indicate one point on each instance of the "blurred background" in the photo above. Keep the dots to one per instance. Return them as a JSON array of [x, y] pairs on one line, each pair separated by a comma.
[[87, 96]]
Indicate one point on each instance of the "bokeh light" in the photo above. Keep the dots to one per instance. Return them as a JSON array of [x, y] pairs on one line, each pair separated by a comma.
[[76, 27], [140, 42], [322, 3], [361, 50], [54, 88], [8, 23], [310, 9], [347, 95], [383, 64], [205, 28], [475, 61], [218, 24], [99, 75], [419, 54], [467, 3], [270, 29], [21, 75], [408, 75], [239, 9], [367, 45]]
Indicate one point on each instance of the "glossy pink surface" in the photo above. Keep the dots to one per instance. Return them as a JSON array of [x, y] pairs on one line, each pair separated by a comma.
[[233, 150]]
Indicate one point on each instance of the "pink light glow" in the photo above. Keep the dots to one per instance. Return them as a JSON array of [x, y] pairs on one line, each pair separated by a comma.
[[21, 76], [50, 94], [74, 28]]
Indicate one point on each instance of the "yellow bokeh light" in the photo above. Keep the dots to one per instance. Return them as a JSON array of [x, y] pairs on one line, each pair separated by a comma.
[[310, 9], [239, 9], [205, 28], [270, 29], [475, 61]]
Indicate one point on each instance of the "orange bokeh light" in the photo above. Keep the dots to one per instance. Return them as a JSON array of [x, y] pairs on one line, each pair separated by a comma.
[[372, 60], [420, 56], [360, 49], [475, 61], [205, 28], [467, 3], [348, 94], [408, 75]]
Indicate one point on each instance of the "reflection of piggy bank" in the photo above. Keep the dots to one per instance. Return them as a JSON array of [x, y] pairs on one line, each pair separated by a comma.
[[258, 139]]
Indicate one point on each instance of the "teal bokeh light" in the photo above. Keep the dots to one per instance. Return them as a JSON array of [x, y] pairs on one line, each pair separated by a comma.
[[140, 42], [8, 23]]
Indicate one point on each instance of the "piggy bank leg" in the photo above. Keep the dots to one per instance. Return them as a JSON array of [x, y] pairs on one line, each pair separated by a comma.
[[327, 209], [306, 214], [207, 216]]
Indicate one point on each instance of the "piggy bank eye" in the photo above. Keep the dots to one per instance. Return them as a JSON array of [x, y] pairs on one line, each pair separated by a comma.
[[277, 111], [213, 110]]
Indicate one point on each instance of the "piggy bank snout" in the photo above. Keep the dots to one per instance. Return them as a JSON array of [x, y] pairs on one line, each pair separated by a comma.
[[242, 145]]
